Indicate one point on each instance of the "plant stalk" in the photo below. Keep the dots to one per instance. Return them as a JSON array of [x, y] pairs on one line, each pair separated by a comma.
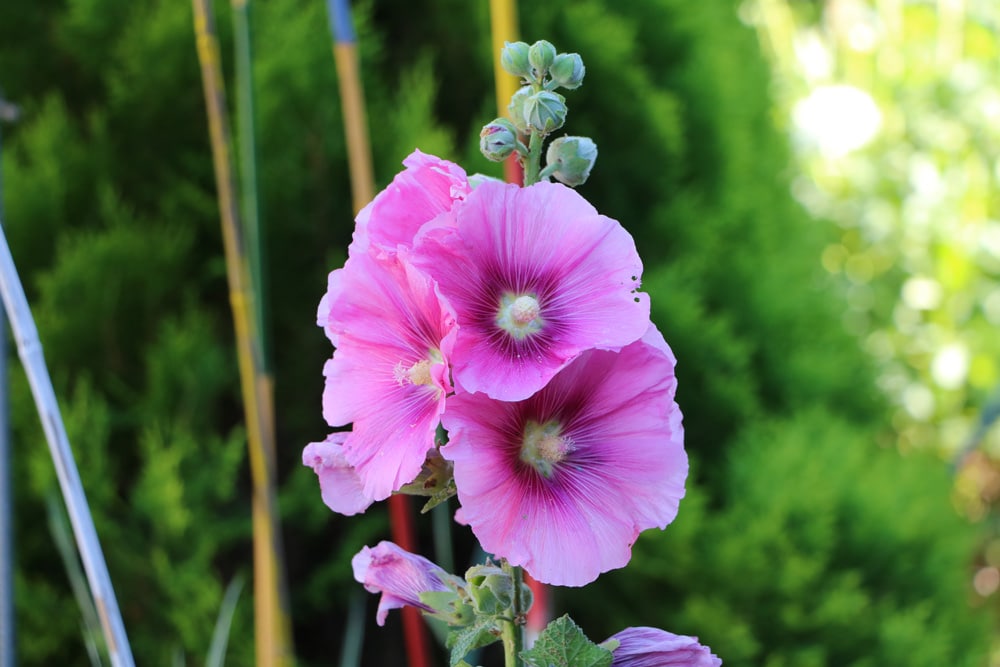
[[532, 163], [513, 632]]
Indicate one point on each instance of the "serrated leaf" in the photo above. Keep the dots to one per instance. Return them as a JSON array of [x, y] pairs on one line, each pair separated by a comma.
[[563, 644], [481, 633]]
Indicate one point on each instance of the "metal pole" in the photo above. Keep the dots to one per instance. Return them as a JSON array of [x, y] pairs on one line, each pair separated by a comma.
[[30, 351], [8, 112]]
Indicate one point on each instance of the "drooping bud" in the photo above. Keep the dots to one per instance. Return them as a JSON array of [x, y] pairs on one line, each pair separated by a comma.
[[498, 140], [545, 111], [405, 579], [567, 70], [514, 58], [571, 159], [541, 55], [516, 108]]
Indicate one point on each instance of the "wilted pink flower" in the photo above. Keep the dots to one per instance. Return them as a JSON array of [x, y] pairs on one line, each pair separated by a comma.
[[428, 187], [338, 482], [536, 276], [389, 374], [398, 575], [652, 647], [563, 482]]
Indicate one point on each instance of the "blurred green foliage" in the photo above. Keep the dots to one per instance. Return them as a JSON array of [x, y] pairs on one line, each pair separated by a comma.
[[802, 542]]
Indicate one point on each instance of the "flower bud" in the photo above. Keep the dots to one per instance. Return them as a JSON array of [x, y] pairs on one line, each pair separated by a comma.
[[541, 55], [574, 157], [514, 58], [498, 139], [516, 109], [652, 646], [403, 579], [545, 111], [567, 70]]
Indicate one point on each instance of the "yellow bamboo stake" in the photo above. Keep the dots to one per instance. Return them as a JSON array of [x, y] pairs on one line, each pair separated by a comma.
[[503, 28], [352, 103], [272, 638]]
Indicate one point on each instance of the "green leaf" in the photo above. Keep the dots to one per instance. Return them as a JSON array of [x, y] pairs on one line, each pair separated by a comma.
[[481, 633], [563, 644]]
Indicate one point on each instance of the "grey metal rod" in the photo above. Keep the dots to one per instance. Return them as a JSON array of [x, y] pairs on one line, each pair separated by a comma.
[[30, 351]]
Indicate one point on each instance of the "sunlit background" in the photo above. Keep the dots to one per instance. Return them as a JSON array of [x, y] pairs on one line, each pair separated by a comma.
[[894, 109]]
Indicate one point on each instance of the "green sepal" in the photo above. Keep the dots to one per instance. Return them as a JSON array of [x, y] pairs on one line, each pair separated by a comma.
[[483, 632], [563, 644], [491, 589], [439, 496], [435, 480], [449, 607]]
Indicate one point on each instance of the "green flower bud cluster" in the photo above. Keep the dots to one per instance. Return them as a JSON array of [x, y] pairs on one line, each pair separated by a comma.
[[541, 66], [536, 111], [536, 107]]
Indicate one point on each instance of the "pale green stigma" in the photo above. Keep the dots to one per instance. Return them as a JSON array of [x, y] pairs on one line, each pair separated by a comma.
[[544, 446], [519, 315]]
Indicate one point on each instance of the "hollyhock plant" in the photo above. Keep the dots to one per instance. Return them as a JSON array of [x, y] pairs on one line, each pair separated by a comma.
[[536, 276], [536, 478], [401, 577], [339, 484], [389, 374], [491, 343], [652, 647], [428, 187]]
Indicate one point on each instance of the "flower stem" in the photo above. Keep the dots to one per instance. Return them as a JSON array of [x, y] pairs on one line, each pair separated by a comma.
[[513, 632], [532, 163]]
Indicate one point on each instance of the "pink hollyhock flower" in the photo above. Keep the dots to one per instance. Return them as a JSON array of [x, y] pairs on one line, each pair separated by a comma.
[[389, 374], [399, 576], [563, 482], [536, 276], [652, 647], [428, 187], [338, 482]]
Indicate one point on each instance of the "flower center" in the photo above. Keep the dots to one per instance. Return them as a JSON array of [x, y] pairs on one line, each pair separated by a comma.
[[519, 315], [543, 446], [419, 373]]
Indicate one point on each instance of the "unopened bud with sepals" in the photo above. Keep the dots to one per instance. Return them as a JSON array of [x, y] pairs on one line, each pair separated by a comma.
[[516, 109], [514, 58], [567, 71], [541, 55], [570, 159], [498, 140], [545, 111]]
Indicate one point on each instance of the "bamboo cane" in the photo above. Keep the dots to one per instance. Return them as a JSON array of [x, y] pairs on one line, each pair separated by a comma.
[[272, 639], [345, 54], [30, 351], [503, 28]]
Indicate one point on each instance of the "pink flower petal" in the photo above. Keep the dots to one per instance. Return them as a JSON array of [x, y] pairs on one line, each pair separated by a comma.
[[338, 482], [428, 187], [622, 470], [545, 242], [389, 375]]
